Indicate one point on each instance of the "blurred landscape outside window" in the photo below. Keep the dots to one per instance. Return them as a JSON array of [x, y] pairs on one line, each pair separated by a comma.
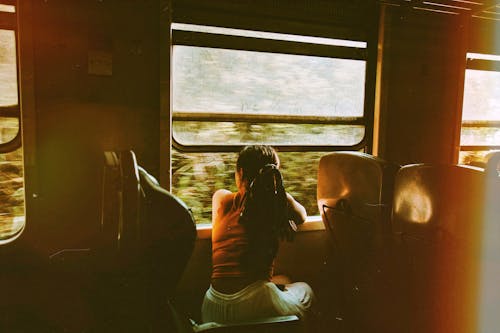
[[481, 112], [254, 97], [11, 165]]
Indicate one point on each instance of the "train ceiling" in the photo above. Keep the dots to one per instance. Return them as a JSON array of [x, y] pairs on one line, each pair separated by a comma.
[[484, 9]]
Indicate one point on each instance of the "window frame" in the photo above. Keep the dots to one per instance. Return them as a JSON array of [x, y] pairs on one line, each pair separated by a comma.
[[491, 65], [258, 44], [9, 22]]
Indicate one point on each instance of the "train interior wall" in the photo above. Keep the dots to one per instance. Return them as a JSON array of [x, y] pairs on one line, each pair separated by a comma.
[[422, 73], [96, 83]]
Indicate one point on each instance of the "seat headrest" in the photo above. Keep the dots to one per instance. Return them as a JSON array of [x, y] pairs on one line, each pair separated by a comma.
[[447, 197], [365, 181]]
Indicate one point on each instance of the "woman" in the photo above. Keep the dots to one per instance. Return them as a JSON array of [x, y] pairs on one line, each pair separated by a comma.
[[246, 229]]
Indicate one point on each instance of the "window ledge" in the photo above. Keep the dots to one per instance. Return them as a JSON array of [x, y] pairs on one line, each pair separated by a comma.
[[312, 223]]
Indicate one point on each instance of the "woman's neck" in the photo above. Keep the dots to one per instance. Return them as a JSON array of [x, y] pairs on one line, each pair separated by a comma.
[[239, 197]]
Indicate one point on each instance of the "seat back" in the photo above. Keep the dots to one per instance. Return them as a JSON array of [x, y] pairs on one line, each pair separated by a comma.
[[147, 236], [119, 220], [489, 294], [365, 181], [493, 164], [168, 232], [438, 213], [354, 197]]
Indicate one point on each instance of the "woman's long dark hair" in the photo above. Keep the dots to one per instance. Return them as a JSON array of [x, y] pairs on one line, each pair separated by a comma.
[[265, 206]]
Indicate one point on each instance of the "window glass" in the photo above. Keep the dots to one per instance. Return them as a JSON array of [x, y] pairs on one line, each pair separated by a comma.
[[481, 95], [196, 176], [12, 202], [223, 133], [8, 71], [9, 126], [11, 193], [269, 85], [7, 8], [473, 157], [480, 136], [216, 80]]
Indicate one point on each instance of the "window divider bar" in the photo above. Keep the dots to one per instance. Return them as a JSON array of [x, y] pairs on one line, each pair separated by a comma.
[[204, 39], [8, 21], [478, 148], [280, 148], [265, 118], [8, 2], [11, 111], [481, 123], [483, 65]]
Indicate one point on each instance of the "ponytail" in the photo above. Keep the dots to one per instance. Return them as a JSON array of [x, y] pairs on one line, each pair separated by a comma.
[[265, 206], [265, 209]]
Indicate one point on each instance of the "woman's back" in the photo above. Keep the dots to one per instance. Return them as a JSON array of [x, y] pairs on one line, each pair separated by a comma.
[[233, 266]]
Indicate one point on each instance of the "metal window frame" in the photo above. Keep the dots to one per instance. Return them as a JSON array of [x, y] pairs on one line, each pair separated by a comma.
[[9, 22], [242, 43], [483, 65]]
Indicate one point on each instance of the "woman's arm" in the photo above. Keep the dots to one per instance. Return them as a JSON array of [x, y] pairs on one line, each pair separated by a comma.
[[296, 211]]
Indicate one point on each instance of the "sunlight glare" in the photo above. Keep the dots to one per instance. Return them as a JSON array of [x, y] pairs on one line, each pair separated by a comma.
[[414, 203]]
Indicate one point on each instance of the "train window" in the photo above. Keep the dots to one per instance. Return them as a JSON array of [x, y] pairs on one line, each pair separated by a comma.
[[481, 107], [231, 87], [8, 89], [11, 163], [253, 96], [7, 8]]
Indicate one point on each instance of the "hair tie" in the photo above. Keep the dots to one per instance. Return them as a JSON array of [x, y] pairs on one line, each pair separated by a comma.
[[275, 172], [270, 166]]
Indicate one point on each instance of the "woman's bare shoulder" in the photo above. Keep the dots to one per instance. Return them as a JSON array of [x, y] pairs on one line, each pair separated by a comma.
[[221, 201], [222, 195]]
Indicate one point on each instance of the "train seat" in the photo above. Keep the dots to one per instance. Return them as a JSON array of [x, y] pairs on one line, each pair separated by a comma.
[[147, 236], [438, 215], [141, 221], [354, 196], [490, 259], [122, 281], [492, 167], [167, 235], [278, 324]]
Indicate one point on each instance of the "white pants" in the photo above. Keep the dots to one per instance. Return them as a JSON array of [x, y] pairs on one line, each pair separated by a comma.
[[258, 300]]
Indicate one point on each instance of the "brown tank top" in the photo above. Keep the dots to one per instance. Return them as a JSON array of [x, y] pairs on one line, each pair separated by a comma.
[[230, 246]]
